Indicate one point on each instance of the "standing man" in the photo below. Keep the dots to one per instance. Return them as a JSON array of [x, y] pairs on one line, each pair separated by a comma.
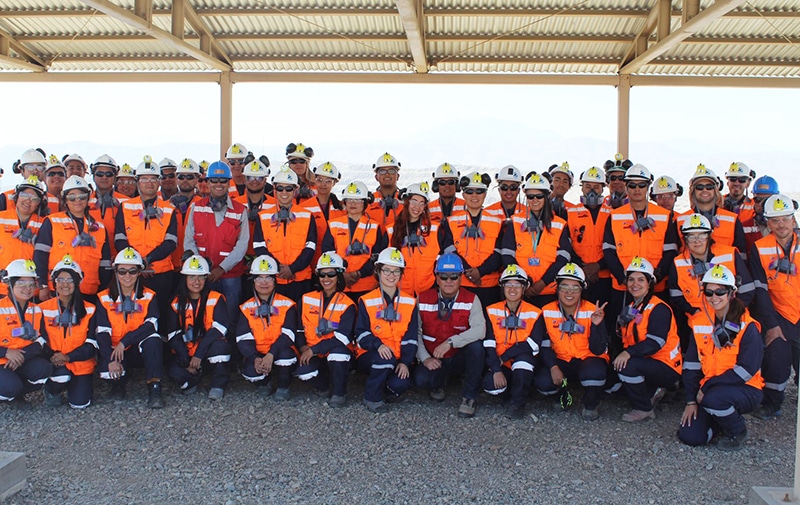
[[509, 179], [445, 182], [298, 157], [615, 177], [254, 198], [75, 165], [665, 192], [188, 174], [763, 188], [386, 205], [562, 182], [236, 158], [104, 201], [169, 185]]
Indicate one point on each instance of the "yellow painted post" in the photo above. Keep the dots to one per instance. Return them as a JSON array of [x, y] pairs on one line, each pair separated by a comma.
[[226, 112]]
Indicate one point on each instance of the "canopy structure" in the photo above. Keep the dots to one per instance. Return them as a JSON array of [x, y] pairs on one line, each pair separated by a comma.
[[624, 43]]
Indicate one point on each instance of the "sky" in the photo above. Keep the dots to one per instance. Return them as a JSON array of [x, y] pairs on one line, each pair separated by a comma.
[[473, 126]]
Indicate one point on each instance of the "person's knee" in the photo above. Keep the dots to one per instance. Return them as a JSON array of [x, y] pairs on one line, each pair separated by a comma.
[[694, 435]]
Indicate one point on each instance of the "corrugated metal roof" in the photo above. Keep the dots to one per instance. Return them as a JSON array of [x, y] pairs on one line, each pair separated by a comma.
[[577, 37]]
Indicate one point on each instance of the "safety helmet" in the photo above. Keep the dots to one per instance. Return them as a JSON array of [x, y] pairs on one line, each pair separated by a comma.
[[386, 160], [167, 163], [327, 169], [446, 171], [594, 174], [255, 169], [219, 170], [536, 181], [284, 176], [509, 173], [236, 152], [619, 164], [75, 182], [330, 259], [514, 273], [125, 171], [639, 264], [33, 183], [129, 256], [356, 190], [195, 265], [66, 263], [702, 172], [391, 256], [696, 223], [188, 166], [638, 172], [663, 185], [299, 151], [103, 160], [739, 169], [778, 205], [75, 157], [32, 156], [562, 169], [148, 167], [449, 263], [419, 188], [720, 274], [573, 272], [264, 265], [21, 268], [765, 185], [475, 180], [53, 162]]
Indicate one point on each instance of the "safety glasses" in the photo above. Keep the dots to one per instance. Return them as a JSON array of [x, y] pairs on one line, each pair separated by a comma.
[[127, 271], [390, 171], [448, 277], [103, 174], [187, 177], [537, 196], [718, 292], [507, 187], [474, 191], [634, 185], [705, 187]]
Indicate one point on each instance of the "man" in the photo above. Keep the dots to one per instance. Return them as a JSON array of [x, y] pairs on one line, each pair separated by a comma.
[[236, 157], [126, 181], [774, 265], [387, 205], [55, 175], [254, 198], [615, 177], [324, 205], [562, 179], [452, 328], [32, 162], [665, 192], [169, 185], [187, 174], [509, 179], [739, 177], [298, 157], [445, 182], [75, 165], [104, 201], [763, 188]]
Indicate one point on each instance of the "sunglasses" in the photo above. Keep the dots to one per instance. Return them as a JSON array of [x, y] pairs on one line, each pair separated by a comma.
[[506, 187], [448, 277], [634, 185], [740, 180], [83, 197], [473, 191], [718, 292], [256, 178], [104, 174], [613, 178], [127, 271], [705, 187], [446, 182], [235, 162], [55, 174], [759, 199], [284, 189], [187, 177], [297, 161], [531, 196], [27, 196], [329, 275], [390, 171], [217, 180], [168, 176]]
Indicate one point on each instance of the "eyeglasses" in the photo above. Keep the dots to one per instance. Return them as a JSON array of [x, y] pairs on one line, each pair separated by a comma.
[[55, 174], [25, 283], [569, 289], [83, 197], [512, 285], [27, 196], [296, 161], [474, 191], [329, 275], [696, 237], [284, 189], [168, 176], [263, 278], [612, 178], [217, 180], [66, 280], [127, 271], [537, 196], [705, 187], [125, 182], [187, 177], [448, 277], [781, 219], [103, 174], [506, 187], [634, 185], [256, 178], [390, 171], [321, 179], [147, 180], [416, 203], [740, 180], [718, 292], [391, 272], [446, 182], [34, 166], [235, 162]]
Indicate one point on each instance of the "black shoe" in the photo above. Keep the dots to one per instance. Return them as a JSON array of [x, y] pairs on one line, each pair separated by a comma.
[[52, 399], [733, 443], [515, 411], [154, 398], [117, 390], [767, 412], [21, 403]]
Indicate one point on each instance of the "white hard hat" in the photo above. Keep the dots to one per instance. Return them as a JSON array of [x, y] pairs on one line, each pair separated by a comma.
[[386, 160], [167, 163], [327, 169], [195, 265], [638, 172], [53, 162], [103, 160], [33, 183], [188, 166], [126, 171], [21, 268], [75, 182], [446, 171], [264, 265], [148, 167], [129, 256], [594, 174], [356, 190], [32, 156], [66, 263], [696, 223], [299, 151], [391, 256], [255, 169], [701, 172], [664, 185], [419, 188], [475, 180], [236, 152], [514, 273], [76, 157], [573, 272], [330, 260], [285, 176], [639, 264], [509, 173], [778, 205], [563, 169], [720, 274], [739, 169], [536, 181]]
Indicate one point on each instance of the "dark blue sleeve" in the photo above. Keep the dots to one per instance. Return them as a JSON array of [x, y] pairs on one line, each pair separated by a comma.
[[408, 344], [655, 337], [41, 251], [767, 314], [610, 254], [748, 362], [366, 340]]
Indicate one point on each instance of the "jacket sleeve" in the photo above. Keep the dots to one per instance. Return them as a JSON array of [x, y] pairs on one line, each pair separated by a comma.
[[259, 243], [148, 329], [747, 289], [692, 372], [120, 235], [740, 240], [509, 246], [340, 337], [610, 254], [366, 340], [328, 243], [217, 331], [547, 356], [490, 346], [477, 327], [762, 301], [307, 254], [170, 242], [41, 251], [598, 339], [655, 338], [175, 336], [381, 243], [188, 231], [563, 256], [408, 344], [748, 362], [105, 273], [288, 334], [676, 298], [245, 340], [671, 247], [103, 333]]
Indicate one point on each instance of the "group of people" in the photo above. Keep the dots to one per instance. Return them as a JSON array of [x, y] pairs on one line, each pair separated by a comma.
[[190, 269]]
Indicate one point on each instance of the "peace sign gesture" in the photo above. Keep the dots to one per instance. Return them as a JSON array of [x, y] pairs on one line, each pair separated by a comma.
[[599, 314]]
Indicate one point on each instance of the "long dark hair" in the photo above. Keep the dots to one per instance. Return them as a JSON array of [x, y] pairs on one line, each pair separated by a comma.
[[184, 302], [736, 310], [401, 225], [76, 303], [547, 213], [340, 284], [113, 288]]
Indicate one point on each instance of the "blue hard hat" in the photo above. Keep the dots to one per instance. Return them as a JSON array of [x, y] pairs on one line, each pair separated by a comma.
[[219, 169], [449, 263], [765, 185]]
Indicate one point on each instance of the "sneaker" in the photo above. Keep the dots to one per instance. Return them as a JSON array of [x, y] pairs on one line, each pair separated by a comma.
[[52, 399], [515, 411], [281, 395], [590, 414], [216, 394], [190, 390], [336, 401], [467, 408], [733, 443], [437, 394], [635, 416], [767, 412], [657, 396], [154, 398], [374, 407], [118, 391]]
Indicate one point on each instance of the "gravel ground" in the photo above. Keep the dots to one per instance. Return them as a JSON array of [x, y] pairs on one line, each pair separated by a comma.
[[248, 449]]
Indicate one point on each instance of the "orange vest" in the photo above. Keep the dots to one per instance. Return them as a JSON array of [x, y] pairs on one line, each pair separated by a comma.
[[648, 244], [670, 353], [366, 232], [313, 206], [146, 238], [88, 257], [208, 317], [312, 313], [435, 208], [378, 214], [390, 333], [109, 219], [496, 209], [713, 360], [9, 321], [180, 219], [215, 242], [568, 346], [12, 248], [723, 226], [286, 246], [267, 203], [690, 284], [587, 234], [67, 341], [534, 258], [504, 338], [783, 288], [476, 250], [418, 275], [119, 325], [53, 203], [265, 333]]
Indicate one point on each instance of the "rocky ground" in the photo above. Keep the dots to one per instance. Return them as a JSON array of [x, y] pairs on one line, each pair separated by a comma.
[[248, 449]]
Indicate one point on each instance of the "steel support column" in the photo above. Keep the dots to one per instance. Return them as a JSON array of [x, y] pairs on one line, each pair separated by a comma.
[[623, 114], [226, 113]]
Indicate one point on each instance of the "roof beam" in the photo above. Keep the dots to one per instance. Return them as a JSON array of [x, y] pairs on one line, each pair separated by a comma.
[[200, 27], [639, 43], [28, 60], [686, 30], [411, 15], [147, 27]]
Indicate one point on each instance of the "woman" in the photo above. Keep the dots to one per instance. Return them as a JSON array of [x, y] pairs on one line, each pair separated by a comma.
[[356, 237], [127, 329], [196, 328], [721, 371], [328, 317], [69, 331], [418, 238], [267, 332], [387, 329], [324, 205], [22, 368], [578, 348], [514, 336], [77, 233], [21, 223], [538, 240], [651, 360]]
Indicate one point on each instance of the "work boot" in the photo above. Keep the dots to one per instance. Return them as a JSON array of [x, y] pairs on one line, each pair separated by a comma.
[[590, 414], [657, 396], [190, 390], [21, 403], [336, 402], [374, 407], [281, 395], [467, 408], [52, 399], [118, 391], [154, 398], [437, 394], [515, 411], [732, 443], [767, 412], [635, 416], [216, 394]]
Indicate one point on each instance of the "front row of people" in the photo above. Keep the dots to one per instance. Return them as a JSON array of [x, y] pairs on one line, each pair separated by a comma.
[[519, 346]]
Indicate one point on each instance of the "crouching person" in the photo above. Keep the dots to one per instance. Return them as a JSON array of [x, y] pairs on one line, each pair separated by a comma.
[[329, 316], [69, 330], [196, 326], [266, 332], [127, 329], [452, 328], [514, 337], [721, 369], [387, 329]]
